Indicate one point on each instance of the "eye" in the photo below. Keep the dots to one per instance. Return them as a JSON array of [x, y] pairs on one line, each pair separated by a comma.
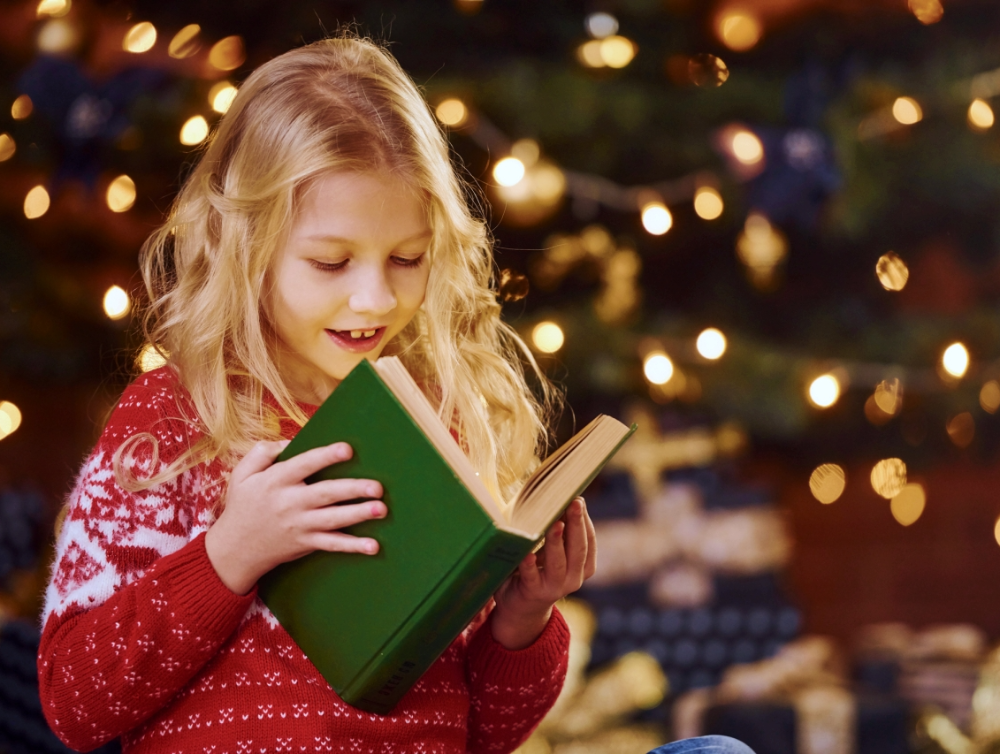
[[328, 266], [408, 261]]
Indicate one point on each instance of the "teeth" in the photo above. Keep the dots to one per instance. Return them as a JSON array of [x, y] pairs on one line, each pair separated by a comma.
[[358, 334], [369, 333]]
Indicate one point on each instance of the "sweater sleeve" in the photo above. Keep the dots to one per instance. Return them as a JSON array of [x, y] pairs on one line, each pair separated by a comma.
[[512, 690], [134, 608]]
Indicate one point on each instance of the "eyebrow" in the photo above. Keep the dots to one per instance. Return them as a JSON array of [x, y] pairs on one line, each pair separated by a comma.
[[340, 239]]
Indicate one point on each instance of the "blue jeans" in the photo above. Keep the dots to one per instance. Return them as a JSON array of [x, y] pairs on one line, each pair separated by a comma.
[[704, 745]]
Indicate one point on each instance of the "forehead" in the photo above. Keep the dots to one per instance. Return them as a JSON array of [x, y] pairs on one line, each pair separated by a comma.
[[356, 205]]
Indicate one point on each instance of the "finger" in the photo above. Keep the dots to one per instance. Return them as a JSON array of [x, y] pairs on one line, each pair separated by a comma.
[[339, 542], [591, 566], [576, 544], [341, 516], [297, 468], [554, 555], [260, 457], [330, 491], [528, 572]]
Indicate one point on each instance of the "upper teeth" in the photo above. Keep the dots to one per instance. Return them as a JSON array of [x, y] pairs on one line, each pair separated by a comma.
[[362, 333]]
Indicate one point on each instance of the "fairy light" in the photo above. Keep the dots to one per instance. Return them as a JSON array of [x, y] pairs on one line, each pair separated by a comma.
[[824, 391], [548, 337], [221, 96], [116, 302], [888, 477], [509, 171], [589, 54], [747, 148], [926, 11], [738, 29], [10, 418], [227, 54], [617, 51], [711, 343], [961, 429], [194, 131], [21, 107], [658, 368], [7, 147], [57, 35], [150, 358], [452, 112], [955, 360], [827, 483], [908, 504], [708, 203], [36, 203], [981, 115], [907, 111], [601, 25], [185, 42], [656, 218], [140, 38], [52, 8], [989, 397], [892, 271], [121, 194]]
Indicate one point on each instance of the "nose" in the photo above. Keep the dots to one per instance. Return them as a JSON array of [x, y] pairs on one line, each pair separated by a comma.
[[373, 294]]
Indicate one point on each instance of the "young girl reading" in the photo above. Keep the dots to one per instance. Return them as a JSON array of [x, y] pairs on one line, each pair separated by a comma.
[[324, 224]]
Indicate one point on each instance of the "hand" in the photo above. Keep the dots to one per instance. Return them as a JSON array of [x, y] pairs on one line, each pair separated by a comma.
[[271, 516], [568, 558]]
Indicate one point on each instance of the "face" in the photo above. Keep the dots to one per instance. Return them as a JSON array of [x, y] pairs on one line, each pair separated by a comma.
[[351, 276]]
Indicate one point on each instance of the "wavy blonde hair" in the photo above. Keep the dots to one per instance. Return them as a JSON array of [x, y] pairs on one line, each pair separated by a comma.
[[339, 104]]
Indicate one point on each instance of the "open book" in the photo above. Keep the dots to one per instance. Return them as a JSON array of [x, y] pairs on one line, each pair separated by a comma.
[[373, 624]]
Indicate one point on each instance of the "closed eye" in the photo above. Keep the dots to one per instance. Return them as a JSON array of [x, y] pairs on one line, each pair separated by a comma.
[[328, 266], [409, 262]]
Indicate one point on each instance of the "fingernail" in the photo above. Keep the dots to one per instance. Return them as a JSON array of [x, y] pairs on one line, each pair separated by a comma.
[[374, 490], [378, 511], [371, 547]]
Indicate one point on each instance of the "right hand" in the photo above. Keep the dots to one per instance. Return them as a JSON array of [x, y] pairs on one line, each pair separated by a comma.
[[271, 516]]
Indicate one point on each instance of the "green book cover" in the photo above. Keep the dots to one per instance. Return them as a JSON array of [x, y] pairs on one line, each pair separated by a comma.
[[372, 624]]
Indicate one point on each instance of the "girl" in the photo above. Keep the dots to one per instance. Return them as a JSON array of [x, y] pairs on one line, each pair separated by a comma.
[[323, 225]]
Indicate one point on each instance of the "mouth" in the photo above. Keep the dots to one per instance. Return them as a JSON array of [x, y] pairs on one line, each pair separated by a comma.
[[357, 341]]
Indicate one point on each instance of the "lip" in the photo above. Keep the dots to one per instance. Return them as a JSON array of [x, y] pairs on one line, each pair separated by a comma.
[[344, 340]]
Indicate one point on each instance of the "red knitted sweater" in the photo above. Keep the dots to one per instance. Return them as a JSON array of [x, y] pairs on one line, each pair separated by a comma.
[[142, 640]]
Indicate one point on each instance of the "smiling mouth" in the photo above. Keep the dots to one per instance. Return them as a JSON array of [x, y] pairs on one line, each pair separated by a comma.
[[357, 340]]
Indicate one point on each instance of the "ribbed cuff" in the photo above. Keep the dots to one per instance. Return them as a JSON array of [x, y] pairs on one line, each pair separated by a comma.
[[520, 666]]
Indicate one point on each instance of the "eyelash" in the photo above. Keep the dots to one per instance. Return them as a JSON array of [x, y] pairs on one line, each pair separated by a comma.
[[398, 261]]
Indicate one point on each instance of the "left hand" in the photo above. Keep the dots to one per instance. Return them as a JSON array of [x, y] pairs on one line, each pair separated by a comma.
[[524, 602]]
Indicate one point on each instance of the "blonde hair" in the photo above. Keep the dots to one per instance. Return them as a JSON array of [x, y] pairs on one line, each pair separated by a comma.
[[339, 104]]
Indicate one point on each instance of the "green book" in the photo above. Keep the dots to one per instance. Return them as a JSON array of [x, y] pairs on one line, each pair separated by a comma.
[[372, 624]]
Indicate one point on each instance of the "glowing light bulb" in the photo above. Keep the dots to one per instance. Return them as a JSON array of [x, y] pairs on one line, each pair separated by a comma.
[[601, 25], [452, 112], [892, 272], [981, 115], [955, 360], [227, 54], [221, 96], [52, 8], [711, 343], [656, 218], [121, 194], [21, 107], [908, 504], [548, 337], [194, 131], [907, 111], [10, 418], [827, 483], [824, 391], [889, 477], [116, 302], [658, 368], [185, 42], [617, 52], [36, 203], [140, 38], [747, 148], [509, 171], [738, 29], [708, 203], [7, 147]]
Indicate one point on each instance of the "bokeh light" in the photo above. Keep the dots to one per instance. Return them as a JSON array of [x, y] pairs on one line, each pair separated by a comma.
[[738, 29], [658, 368], [527, 151], [509, 171], [996, 531], [889, 477], [140, 38], [888, 396], [708, 203], [656, 218], [589, 54], [548, 337], [601, 25], [221, 96], [961, 429], [57, 36], [824, 391], [892, 271], [121, 194], [52, 8], [955, 360], [908, 504], [907, 111], [989, 397], [21, 107], [7, 147], [10, 418], [926, 11], [747, 148], [452, 112], [827, 483], [194, 131], [227, 54], [711, 343], [36, 203], [617, 52], [981, 115], [116, 302], [150, 358], [707, 70], [185, 42]]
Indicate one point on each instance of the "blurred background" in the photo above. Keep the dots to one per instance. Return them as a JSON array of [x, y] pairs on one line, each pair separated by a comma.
[[767, 231]]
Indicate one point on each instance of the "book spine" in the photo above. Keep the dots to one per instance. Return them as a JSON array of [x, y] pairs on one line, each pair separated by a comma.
[[437, 622]]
